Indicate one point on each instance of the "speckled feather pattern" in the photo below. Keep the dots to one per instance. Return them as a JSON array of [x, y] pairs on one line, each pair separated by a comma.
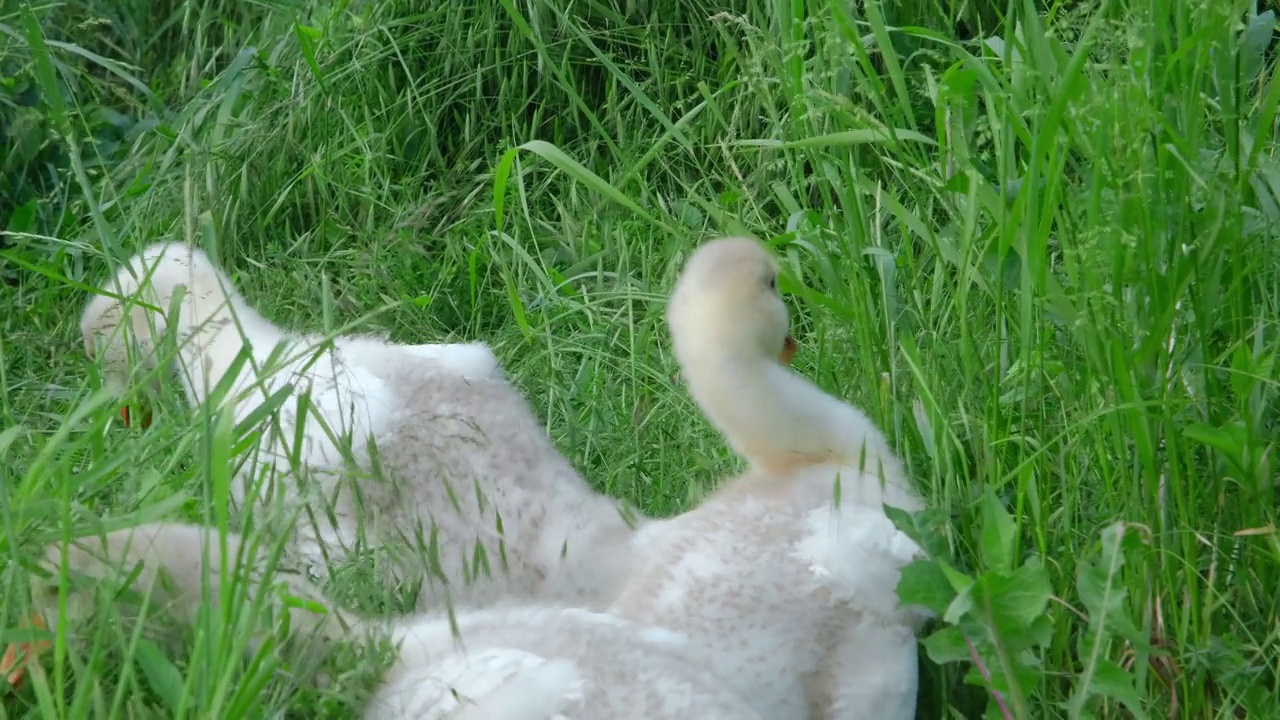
[[785, 577], [772, 590], [399, 442], [772, 599], [615, 669], [505, 662]]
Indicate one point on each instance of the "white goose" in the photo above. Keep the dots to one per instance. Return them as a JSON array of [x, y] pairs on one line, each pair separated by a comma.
[[461, 467], [786, 582], [504, 663]]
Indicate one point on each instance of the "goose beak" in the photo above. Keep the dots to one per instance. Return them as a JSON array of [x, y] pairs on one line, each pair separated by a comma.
[[144, 415], [789, 349], [18, 655]]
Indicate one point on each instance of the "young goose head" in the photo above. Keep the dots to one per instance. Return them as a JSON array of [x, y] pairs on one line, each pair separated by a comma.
[[122, 330], [729, 329], [726, 306]]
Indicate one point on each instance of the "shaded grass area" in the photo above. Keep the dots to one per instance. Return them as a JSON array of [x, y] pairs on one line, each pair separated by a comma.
[[1037, 242]]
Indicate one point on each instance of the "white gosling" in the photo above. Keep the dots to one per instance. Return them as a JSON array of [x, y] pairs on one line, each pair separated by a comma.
[[498, 663], [420, 447], [728, 324], [789, 590]]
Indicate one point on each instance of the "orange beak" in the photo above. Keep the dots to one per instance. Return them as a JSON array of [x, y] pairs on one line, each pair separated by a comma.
[[789, 349], [127, 419], [18, 655]]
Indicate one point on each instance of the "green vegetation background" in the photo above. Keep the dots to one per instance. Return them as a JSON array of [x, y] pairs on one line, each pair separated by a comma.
[[1037, 241]]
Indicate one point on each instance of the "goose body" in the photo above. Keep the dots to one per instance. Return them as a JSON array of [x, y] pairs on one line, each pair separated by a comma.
[[550, 662], [504, 662], [415, 449], [785, 577]]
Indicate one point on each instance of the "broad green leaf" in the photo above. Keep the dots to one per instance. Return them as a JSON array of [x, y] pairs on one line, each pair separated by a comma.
[[959, 607], [23, 218], [1100, 588], [959, 581], [947, 646], [1110, 680], [1007, 624], [998, 533], [1041, 631], [1254, 42], [1011, 602], [923, 583], [163, 677], [308, 40], [1101, 591], [1226, 440]]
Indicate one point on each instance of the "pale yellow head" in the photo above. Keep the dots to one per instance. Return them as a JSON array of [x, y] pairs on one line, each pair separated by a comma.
[[727, 301], [122, 330]]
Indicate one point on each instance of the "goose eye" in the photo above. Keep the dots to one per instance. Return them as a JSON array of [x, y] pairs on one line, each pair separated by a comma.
[[773, 282]]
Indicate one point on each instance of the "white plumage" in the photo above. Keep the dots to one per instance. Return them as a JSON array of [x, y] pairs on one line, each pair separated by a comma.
[[789, 591], [398, 442], [549, 662], [775, 598], [505, 662]]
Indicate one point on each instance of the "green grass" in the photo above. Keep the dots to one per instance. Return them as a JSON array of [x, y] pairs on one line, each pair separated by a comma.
[[1036, 241]]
